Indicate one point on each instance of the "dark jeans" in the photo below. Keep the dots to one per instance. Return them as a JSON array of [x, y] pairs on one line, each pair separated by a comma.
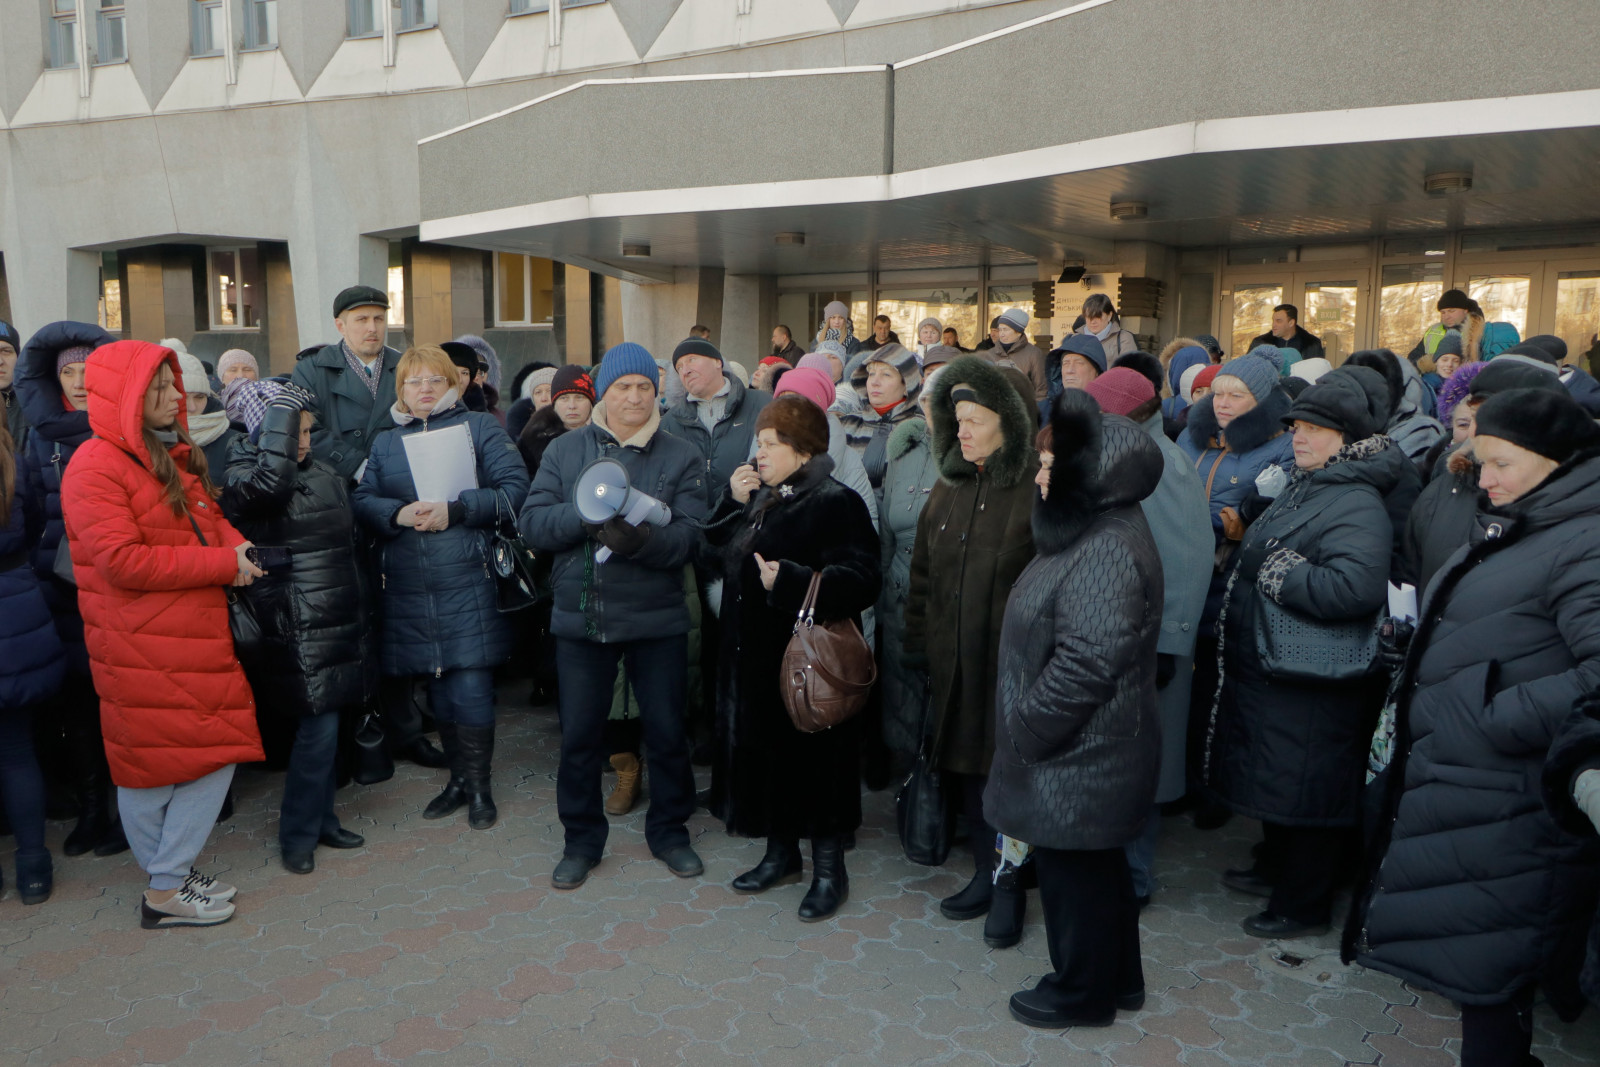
[[1303, 864], [658, 670], [308, 787], [1091, 921], [21, 783], [464, 697], [1498, 1035]]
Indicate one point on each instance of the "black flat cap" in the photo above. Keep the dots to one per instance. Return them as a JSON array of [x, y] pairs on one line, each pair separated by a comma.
[[359, 296]]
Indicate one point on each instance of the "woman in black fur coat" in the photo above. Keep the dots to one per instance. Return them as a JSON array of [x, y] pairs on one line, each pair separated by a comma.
[[785, 519]]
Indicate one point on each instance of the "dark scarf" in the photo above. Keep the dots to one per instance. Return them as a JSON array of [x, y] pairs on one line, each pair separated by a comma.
[[368, 378]]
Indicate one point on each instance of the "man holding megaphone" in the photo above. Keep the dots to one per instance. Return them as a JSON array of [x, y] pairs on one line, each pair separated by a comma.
[[620, 546]]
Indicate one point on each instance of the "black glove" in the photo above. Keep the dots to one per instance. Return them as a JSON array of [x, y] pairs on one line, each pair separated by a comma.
[[1249, 561], [619, 535], [1166, 669], [1394, 641]]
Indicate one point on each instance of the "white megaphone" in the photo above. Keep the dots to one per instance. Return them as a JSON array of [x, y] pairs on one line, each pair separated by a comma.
[[604, 492]]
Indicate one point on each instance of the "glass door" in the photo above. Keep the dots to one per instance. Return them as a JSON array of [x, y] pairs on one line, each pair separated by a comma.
[[1331, 303], [1329, 308], [1503, 295], [1577, 318], [1252, 312]]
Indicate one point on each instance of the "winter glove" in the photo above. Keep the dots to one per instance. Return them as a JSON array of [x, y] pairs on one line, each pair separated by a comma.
[[293, 397], [1394, 641], [1586, 793], [1166, 669], [1271, 482], [619, 535]]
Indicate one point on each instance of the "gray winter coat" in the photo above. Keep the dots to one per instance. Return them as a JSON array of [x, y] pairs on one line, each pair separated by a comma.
[[1077, 741], [1179, 518], [907, 484], [728, 444], [348, 418]]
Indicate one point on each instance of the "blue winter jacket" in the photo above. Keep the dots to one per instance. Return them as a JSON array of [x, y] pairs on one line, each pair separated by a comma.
[[1228, 463], [438, 592], [31, 669], [622, 599], [56, 433]]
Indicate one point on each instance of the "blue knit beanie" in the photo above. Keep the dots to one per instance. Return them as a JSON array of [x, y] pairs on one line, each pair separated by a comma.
[[626, 358], [1258, 375]]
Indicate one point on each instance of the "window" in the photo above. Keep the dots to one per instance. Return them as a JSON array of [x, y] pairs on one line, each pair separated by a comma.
[[530, 7], [524, 290], [110, 33], [1578, 311], [260, 24], [1503, 297], [952, 305], [1407, 302], [416, 15], [365, 18], [110, 316], [236, 288], [63, 34], [206, 28], [397, 286]]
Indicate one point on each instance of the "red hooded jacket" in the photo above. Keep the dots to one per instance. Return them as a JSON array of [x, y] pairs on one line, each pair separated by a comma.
[[174, 702]]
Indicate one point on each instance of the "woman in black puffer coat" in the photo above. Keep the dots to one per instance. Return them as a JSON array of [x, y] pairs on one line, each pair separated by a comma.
[[1077, 737], [1291, 752], [1473, 890], [318, 664]]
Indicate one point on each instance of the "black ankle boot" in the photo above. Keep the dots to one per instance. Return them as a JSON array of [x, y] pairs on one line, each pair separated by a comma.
[[453, 796], [780, 866], [476, 744], [94, 806], [973, 900], [35, 878], [830, 884], [1003, 927]]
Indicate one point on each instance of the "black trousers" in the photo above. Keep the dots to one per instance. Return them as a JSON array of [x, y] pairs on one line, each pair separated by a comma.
[[980, 835], [1498, 1035], [1303, 863], [658, 670], [1091, 921], [398, 711]]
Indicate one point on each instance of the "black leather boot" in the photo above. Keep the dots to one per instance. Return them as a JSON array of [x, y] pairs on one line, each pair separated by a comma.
[[93, 821], [87, 752], [1003, 927], [453, 796], [780, 866], [973, 900], [830, 884], [476, 744]]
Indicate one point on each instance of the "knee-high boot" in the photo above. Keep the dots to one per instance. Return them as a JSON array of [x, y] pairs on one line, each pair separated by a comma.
[[830, 884], [476, 744]]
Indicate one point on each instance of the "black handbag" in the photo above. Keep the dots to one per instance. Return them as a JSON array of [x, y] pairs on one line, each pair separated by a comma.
[[512, 563], [922, 806], [372, 761], [249, 639]]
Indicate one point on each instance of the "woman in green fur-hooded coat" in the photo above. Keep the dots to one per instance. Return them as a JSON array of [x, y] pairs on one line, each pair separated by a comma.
[[908, 482]]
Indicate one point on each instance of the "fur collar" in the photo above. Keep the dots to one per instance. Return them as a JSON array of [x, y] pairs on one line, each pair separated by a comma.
[[906, 437], [1100, 463], [641, 439], [1246, 433], [802, 483], [1001, 390]]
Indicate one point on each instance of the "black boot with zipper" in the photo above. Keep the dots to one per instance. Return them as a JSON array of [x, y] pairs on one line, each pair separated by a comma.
[[830, 884], [453, 796], [476, 745]]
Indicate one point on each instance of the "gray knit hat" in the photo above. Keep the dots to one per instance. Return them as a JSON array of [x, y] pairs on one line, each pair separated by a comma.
[[1015, 318], [1258, 376]]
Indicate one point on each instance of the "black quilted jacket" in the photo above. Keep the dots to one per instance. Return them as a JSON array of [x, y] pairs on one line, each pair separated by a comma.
[[1077, 737]]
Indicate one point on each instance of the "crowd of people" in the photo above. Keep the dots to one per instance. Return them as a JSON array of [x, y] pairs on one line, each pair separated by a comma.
[[1103, 587]]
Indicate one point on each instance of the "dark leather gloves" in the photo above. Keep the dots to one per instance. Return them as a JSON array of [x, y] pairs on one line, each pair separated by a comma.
[[1394, 641], [1166, 669], [619, 535]]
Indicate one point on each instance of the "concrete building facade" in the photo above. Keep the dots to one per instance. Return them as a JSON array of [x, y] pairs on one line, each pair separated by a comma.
[[562, 177]]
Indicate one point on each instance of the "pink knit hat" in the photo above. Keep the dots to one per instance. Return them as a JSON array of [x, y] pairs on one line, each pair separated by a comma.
[[813, 384], [1120, 390]]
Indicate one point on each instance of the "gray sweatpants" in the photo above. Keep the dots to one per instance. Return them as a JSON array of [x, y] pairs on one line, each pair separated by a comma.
[[167, 825]]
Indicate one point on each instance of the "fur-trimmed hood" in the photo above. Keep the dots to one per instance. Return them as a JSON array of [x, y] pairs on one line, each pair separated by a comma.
[[1100, 463], [907, 436], [1003, 390], [1246, 433]]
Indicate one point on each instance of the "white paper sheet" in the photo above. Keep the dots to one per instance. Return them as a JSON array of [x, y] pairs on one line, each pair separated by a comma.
[[1403, 601], [442, 463]]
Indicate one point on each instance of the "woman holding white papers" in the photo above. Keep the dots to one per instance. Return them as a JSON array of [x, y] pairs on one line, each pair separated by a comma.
[[431, 493]]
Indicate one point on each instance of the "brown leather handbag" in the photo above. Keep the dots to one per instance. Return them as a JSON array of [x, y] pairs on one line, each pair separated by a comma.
[[827, 670]]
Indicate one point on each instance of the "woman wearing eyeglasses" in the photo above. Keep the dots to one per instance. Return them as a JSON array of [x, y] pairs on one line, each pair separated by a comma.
[[439, 614]]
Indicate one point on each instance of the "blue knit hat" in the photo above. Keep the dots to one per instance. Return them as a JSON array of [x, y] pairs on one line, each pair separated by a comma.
[[626, 358], [1258, 375], [1086, 345]]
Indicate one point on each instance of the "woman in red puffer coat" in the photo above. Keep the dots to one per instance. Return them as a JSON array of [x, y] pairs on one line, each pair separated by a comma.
[[152, 555]]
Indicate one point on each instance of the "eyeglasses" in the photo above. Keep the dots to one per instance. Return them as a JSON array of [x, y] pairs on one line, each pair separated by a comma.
[[419, 382]]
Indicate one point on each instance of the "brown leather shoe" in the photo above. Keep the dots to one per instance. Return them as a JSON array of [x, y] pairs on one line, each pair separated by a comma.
[[626, 793]]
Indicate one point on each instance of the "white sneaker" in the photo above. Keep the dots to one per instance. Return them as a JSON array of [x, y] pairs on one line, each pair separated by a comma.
[[186, 908], [208, 886]]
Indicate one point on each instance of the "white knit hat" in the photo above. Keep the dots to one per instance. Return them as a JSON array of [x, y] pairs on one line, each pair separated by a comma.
[[194, 375]]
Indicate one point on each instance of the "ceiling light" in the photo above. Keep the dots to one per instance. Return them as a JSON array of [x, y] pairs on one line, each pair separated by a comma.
[[1447, 182], [1123, 210], [790, 237], [636, 249]]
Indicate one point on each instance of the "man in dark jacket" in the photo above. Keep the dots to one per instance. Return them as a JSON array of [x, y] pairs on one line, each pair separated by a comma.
[[717, 417], [353, 382], [881, 335], [784, 347], [1287, 332], [627, 605], [10, 350]]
